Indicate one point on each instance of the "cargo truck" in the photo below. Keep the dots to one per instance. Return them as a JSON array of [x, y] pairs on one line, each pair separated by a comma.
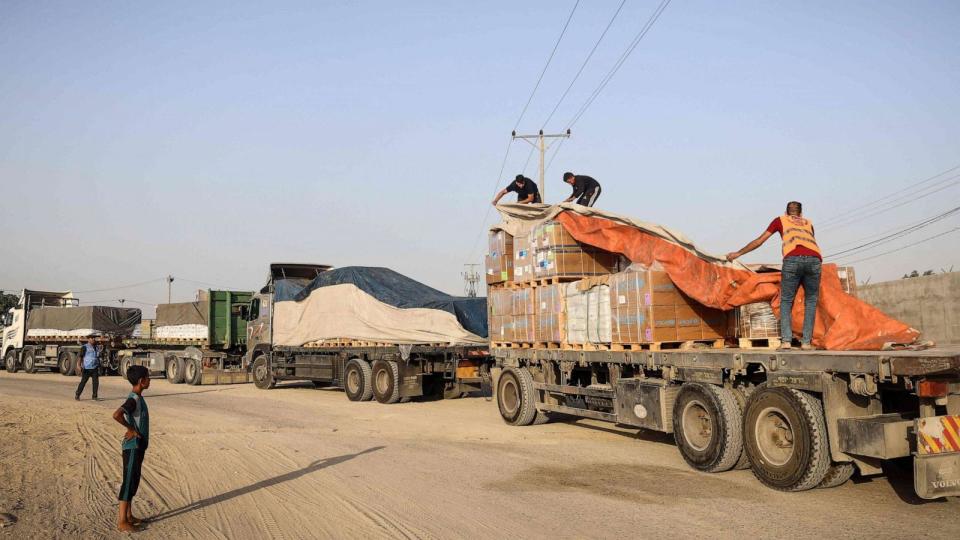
[[798, 419], [47, 329], [387, 372], [196, 343]]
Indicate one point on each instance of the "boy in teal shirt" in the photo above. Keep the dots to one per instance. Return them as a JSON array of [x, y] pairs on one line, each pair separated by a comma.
[[134, 416]]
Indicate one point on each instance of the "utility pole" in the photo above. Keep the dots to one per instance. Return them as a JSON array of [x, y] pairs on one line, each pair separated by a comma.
[[541, 145], [470, 279], [169, 286]]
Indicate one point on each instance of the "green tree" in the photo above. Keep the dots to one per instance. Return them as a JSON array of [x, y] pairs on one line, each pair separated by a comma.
[[8, 301]]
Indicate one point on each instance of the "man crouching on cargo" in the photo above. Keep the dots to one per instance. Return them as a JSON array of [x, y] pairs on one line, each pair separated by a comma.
[[134, 416], [801, 266]]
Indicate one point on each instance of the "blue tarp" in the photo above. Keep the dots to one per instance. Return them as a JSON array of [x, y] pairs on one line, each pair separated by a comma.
[[394, 289]]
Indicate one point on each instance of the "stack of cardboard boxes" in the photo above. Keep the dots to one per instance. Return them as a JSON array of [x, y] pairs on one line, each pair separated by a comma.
[[602, 307]]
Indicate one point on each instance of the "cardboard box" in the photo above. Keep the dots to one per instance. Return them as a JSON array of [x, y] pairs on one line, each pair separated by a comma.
[[550, 318], [757, 321], [557, 254], [522, 259], [501, 328], [523, 313], [647, 307], [499, 259]]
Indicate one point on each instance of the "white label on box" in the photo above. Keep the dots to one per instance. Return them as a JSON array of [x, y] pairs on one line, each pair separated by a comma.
[[622, 299], [543, 305]]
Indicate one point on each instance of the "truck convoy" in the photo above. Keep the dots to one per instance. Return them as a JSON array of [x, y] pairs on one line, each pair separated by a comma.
[[198, 342], [46, 330], [402, 342]]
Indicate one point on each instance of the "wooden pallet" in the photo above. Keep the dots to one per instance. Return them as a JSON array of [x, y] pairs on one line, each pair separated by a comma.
[[534, 283], [512, 345], [670, 345], [344, 343], [759, 343]]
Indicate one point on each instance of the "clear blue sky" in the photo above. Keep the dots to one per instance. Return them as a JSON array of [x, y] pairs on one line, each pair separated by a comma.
[[208, 139]]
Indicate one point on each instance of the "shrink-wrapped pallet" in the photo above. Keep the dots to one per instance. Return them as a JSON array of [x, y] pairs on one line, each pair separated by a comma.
[[499, 259], [757, 321], [587, 312]]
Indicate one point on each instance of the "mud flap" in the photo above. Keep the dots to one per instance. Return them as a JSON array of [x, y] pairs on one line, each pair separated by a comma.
[[936, 467], [937, 476]]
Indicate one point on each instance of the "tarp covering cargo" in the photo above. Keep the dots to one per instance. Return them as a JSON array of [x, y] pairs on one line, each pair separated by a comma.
[[182, 313], [843, 322], [398, 290], [85, 320], [374, 304]]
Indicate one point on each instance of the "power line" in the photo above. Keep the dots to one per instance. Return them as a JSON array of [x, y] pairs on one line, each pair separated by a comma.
[[901, 248], [899, 203], [545, 66], [623, 58], [212, 285], [885, 197], [132, 285], [584, 64], [506, 153], [877, 234], [903, 232]]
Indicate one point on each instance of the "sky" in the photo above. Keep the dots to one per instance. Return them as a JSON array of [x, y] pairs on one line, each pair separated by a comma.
[[207, 140]]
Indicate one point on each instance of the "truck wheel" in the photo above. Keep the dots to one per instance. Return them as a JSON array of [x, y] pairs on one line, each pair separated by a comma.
[[838, 474], [386, 381], [707, 427], [516, 398], [125, 365], [192, 372], [786, 438], [175, 370], [63, 359], [357, 380], [10, 361], [262, 375], [29, 361]]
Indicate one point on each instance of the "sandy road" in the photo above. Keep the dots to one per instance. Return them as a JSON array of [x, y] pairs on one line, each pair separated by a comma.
[[299, 462]]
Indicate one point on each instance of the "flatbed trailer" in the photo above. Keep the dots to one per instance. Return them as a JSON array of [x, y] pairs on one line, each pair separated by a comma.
[[215, 358], [386, 372], [798, 419]]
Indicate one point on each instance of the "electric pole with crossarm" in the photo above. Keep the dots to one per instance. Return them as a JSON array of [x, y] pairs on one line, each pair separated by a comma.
[[539, 142]]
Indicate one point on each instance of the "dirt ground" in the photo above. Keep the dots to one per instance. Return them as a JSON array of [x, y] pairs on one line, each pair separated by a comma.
[[298, 462]]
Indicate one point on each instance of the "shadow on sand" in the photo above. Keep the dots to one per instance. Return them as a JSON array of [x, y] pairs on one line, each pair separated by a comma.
[[292, 475]]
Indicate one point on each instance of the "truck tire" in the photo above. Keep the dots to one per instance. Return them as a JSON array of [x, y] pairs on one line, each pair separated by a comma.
[[708, 427], [358, 380], [30, 361], [192, 372], [786, 438], [837, 475], [10, 361], [125, 364], [174, 370], [262, 374], [66, 361], [516, 398], [386, 381]]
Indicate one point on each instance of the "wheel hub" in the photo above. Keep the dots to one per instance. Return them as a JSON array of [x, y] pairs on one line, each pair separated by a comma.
[[353, 381], [774, 436], [509, 396], [697, 425]]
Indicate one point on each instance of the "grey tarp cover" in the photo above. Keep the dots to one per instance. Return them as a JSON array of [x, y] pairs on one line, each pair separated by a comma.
[[182, 313], [105, 319], [397, 290]]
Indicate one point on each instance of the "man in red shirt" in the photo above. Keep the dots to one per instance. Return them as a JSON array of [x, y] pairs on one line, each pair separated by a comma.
[[801, 266]]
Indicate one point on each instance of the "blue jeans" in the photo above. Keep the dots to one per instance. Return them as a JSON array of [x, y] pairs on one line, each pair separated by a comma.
[[802, 270]]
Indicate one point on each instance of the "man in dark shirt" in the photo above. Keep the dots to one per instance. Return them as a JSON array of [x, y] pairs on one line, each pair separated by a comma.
[[585, 189], [525, 188], [135, 417]]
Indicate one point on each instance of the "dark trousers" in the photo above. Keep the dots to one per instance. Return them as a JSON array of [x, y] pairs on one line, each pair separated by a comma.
[[797, 271], [589, 199], [132, 463], [87, 373]]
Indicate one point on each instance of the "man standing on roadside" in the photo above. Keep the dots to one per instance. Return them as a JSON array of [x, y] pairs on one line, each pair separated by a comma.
[[89, 364], [585, 189], [801, 266]]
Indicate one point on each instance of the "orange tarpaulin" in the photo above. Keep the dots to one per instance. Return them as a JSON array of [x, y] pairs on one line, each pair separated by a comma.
[[843, 322]]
